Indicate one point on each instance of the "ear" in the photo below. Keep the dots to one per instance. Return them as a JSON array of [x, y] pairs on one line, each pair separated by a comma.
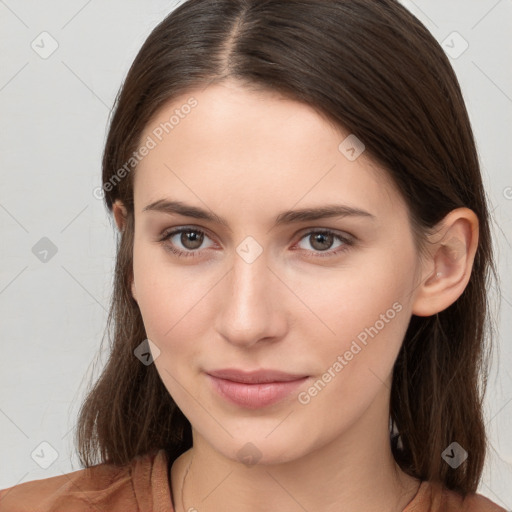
[[447, 269], [119, 211]]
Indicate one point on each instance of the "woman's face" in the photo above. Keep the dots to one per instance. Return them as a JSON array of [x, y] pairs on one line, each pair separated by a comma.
[[264, 289]]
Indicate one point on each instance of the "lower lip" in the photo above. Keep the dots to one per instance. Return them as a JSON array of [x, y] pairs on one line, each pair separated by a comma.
[[254, 396]]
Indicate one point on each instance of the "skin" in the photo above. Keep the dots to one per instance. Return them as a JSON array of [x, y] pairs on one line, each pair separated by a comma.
[[247, 156]]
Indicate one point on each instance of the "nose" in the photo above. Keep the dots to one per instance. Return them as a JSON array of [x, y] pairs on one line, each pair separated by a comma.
[[251, 303]]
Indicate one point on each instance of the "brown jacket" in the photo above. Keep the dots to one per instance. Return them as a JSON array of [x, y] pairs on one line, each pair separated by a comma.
[[143, 486]]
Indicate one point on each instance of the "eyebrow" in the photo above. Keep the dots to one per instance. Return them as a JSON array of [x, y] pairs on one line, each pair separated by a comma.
[[285, 217]]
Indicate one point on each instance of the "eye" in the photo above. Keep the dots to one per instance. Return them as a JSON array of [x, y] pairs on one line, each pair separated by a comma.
[[190, 238], [322, 240]]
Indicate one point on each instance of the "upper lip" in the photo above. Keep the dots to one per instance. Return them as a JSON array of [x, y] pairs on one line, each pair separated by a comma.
[[255, 377]]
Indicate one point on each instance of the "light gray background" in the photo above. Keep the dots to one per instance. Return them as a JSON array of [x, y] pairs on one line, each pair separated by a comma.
[[54, 114]]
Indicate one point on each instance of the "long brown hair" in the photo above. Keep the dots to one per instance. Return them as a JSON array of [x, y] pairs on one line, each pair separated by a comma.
[[370, 67]]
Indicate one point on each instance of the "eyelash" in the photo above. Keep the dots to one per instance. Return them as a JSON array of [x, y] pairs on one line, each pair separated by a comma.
[[347, 243]]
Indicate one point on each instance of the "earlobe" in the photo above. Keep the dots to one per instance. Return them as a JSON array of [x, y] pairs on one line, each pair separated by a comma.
[[119, 212], [448, 269]]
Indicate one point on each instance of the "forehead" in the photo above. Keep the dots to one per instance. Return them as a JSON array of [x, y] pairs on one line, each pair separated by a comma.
[[251, 151]]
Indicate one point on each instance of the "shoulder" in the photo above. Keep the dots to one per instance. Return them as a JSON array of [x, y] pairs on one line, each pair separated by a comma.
[[434, 497], [472, 502], [102, 487]]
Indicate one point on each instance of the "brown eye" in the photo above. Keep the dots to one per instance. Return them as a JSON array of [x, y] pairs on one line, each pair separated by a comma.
[[184, 241], [321, 241], [191, 239]]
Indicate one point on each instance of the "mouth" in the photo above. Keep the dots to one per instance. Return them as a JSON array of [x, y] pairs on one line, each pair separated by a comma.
[[256, 389]]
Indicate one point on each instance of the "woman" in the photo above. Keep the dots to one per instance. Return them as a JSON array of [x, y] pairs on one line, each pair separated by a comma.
[[300, 294]]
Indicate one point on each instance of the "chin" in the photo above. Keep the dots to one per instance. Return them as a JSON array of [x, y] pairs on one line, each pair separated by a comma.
[[255, 450]]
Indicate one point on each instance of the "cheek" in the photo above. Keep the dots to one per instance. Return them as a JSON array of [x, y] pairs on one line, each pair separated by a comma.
[[171, 299], [351, 299], [355, 363], [367, 312]]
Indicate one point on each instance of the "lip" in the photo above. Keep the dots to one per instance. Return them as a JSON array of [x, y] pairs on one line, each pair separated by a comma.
[[254, 389], [255, 376]]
